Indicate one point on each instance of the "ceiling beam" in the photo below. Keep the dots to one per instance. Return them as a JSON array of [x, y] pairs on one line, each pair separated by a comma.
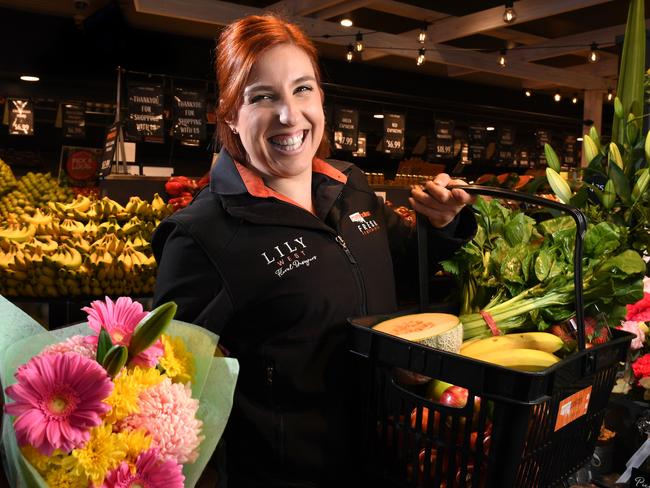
[[343, 8], [492, 18], [569, 44], [221, 13], [606, 69], [406, 10], [301, 7]]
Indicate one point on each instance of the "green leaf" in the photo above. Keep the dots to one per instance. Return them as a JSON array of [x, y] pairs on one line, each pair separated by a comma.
[[628, 262], [601, 239], [519, 229], [631, 73], [104, 344], [543, 264], [621, 184]]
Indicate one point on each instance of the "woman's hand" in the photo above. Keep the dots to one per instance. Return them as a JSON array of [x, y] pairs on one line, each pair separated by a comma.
[[439, 204]]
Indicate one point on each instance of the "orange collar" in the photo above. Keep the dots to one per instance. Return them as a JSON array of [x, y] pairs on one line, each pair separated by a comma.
[[255, 184]]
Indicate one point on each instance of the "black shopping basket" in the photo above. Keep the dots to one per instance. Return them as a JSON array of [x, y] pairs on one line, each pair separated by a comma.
[[517, 429]]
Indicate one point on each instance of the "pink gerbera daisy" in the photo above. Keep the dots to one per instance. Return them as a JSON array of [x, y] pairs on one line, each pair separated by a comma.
[[150, 472], [57, 400], [120, 318], [75, 344]]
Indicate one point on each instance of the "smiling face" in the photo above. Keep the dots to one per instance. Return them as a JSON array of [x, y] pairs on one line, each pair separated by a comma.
[[281, 121]]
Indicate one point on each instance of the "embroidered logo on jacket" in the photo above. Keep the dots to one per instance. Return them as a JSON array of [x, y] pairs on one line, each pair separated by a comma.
[[288, 255], [365, 224]]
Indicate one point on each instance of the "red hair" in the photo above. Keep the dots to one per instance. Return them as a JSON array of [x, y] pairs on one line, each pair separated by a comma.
[[240, 45]]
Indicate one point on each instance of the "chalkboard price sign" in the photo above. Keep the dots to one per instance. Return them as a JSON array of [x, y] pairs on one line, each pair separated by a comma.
[[444, 132], [639, 479], [21, 117], [346, 129], [394, 125], [189, 115], [74, 121], [110, 145]]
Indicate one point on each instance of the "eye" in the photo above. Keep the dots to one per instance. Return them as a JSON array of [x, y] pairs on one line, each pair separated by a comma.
[[260, 97], [303, 88]]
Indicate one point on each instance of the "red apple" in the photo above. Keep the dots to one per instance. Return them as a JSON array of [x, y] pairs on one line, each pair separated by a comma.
[[454, 396]]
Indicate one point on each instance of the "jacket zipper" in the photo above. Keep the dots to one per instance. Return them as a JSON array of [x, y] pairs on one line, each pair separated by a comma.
[[357, 273], [270, 373]]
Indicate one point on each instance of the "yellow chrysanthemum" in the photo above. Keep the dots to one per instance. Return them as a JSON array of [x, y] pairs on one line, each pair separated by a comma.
[[177, 361], [63, 474], [123, 399], [102, 453], [36, 459], [136, 442], [145, 377]]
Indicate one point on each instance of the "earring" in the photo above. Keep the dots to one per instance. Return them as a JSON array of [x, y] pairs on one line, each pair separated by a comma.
[[234, 131]]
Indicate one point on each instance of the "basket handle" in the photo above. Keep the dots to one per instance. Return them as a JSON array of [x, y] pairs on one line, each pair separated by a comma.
[[581, 228]]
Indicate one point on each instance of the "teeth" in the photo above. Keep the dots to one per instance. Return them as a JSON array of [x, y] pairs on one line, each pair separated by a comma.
[[289, 143]]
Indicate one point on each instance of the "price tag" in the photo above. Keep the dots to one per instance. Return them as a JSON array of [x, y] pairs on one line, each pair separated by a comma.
[[346, 129], [394, 125], [21, 117]]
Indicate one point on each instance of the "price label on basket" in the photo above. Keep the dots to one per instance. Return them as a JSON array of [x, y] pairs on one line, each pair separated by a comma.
[[639, 479], [572, 407]]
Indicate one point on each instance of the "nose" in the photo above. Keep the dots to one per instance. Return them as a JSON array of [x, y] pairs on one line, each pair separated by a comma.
[[288, 112]]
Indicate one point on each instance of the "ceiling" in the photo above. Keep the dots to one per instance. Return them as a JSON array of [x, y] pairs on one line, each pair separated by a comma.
[[546, 45]]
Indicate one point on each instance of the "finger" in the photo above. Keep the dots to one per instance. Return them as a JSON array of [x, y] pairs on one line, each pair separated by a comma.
[[425, 198], [462, 197], [442, 179], [437, 189], [437, 218]]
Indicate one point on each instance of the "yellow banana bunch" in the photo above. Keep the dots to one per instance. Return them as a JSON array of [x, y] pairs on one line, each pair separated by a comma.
[[71, 227], [496, 349], [18, 233], [38, 219], [132, 205]]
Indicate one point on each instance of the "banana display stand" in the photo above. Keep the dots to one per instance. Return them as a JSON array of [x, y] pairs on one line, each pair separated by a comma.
[[517, 429]]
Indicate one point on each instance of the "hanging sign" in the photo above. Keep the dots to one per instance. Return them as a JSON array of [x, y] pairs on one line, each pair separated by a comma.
[[444, 139], [145, 120], [543, 137], [74, 120], [394, 125], [476, 142], [110, 145], [346, 129], [189, 115], [524, 158], [570, 150], [506, 141], [21, 117]]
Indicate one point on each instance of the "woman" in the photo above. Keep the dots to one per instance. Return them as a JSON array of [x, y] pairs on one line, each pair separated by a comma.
[[280, 250]]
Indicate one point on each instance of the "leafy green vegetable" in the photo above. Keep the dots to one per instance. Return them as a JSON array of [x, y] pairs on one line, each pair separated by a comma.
[[521, 272]]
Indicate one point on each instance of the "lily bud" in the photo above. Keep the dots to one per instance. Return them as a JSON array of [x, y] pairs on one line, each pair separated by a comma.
[[590, 148], [559, 186], [593, 133], [641, 184], [609, 195], [618, 108], [551, 157], [615, 155]]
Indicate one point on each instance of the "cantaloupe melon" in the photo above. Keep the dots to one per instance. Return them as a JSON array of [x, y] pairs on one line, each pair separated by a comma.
[[438, 330]]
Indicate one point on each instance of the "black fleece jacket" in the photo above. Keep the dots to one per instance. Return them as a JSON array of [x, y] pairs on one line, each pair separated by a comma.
[[278, 284]]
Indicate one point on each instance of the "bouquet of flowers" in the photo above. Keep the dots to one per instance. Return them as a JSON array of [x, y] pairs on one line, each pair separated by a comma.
[[127, 399]]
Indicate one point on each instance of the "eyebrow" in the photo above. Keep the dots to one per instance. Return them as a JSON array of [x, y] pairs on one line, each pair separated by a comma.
[[256, 87]]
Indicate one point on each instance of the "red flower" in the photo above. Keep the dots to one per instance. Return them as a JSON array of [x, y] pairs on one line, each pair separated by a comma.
[[641, 366], [639, 311]]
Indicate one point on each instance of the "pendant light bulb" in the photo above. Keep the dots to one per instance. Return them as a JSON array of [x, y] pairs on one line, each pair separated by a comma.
[[509, 14], [557, 97], [593, 54], [346, 21], [358, 45], [422, 36], [350, 54], [574, 100], [610, 95], [528, 93], [502, 61], [421, 56]]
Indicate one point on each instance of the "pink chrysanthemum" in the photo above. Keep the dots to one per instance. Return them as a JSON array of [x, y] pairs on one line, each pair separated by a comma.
[[57, 399], [120, 318], [150, 472], [76, 344], [168, 414]]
